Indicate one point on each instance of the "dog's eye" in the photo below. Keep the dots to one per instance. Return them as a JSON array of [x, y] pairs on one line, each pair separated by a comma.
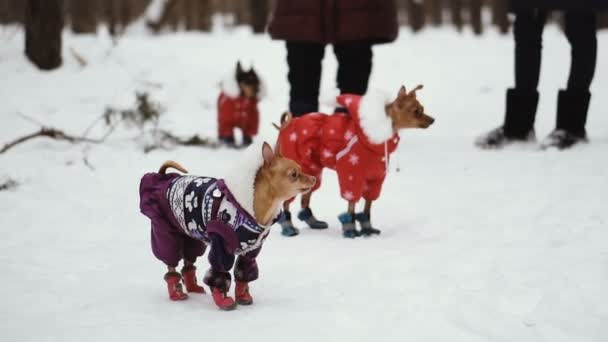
[[294, 175], [418, 112]]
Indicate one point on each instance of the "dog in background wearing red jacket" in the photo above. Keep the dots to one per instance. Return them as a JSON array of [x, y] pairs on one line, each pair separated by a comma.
[[237, 106], [356, 144]]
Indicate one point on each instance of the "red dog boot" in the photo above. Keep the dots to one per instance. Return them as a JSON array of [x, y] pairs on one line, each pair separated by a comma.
[[242, 295], [189, 274], [221, 300], [174, 286]]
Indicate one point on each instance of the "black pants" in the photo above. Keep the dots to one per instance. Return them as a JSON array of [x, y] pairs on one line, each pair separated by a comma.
[[304, 61], [580, 30]]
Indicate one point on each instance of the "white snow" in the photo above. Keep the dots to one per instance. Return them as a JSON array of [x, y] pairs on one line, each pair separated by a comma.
[[476, 245]]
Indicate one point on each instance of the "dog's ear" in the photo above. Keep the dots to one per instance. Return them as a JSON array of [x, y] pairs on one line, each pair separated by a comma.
[[239, 68], [399, 101], [418, 87], [286, 118], [402, 92], [267, 153]]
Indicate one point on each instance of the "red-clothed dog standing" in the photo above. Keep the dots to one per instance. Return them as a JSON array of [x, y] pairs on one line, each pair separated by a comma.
[[237, 106], [357, 145]]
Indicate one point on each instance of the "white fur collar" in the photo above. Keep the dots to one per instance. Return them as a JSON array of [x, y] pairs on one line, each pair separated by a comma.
[[230, 87], [374, 122], [240, 180]]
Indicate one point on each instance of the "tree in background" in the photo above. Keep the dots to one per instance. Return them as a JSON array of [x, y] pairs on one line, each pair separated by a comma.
[[43, 25], [84, 15]]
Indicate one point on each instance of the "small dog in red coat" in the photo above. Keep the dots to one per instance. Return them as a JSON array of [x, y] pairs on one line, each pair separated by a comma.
[[357, 145], [237, 106]]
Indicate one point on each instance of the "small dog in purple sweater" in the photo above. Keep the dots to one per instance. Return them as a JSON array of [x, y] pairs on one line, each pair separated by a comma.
[[232, 216]]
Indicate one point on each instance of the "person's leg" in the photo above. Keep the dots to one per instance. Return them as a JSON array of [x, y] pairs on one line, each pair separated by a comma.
[[581, 32], [304, 62], [354, 66], [527, 32], [522, 100], [573, 103]]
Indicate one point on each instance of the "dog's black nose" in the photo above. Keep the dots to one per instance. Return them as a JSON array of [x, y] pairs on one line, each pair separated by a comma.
[[431, 121]]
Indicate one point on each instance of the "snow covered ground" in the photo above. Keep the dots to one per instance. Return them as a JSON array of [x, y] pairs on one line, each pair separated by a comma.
[[476, 245]]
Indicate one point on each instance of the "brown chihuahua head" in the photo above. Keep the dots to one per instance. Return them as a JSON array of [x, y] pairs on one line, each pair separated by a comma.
[[278, 180], [249, 82], [406, 112]]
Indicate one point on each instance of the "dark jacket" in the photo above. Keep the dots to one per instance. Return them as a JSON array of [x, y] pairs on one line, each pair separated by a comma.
[[566, 5], [334, 21]]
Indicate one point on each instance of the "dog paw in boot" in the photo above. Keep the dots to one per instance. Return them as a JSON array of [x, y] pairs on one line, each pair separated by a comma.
[[287, 228], [349, 229], [241, 293], [189, 275], [222, 301], [307, 216], [174, 286], [366, 225]]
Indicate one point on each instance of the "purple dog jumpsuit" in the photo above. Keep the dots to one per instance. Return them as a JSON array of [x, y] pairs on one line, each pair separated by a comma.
[[188, 213]]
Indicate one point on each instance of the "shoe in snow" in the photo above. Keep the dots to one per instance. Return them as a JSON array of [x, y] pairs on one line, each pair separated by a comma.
[[349, 229], [562, 139], [496, 139], [287, 228], [307, 216], [174, 286], [366, 225], [189, 275], [241, 294], [222, 301]]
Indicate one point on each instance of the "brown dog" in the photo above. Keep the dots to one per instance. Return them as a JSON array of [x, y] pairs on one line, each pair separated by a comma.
[[232, 215], [357, 145]]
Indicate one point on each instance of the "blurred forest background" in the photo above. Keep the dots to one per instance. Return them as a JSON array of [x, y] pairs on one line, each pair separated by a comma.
[[84, 16]]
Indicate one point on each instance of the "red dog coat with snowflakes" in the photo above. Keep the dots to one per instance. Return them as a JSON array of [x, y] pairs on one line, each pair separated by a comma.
[[237, 112], [357, 145]]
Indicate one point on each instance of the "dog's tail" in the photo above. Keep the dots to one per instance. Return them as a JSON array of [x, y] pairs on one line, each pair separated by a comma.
[[172, 164], [285, 119]]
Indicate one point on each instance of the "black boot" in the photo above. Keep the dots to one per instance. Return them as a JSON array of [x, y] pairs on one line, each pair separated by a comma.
[[247, 140], [287, 228], [307, 216], [366, 225], [227, 141], [572, 108], [519, 121], [349, 230]]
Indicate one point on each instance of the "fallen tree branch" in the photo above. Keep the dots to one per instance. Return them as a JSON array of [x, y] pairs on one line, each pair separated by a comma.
[[166, 137], [52, 133], [9, 184], [78, 57]]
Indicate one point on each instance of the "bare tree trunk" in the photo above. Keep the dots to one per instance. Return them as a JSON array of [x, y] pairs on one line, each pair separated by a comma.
[[475, 10], [191, 13], [204, 15], [456, 13], [112, 14], [500, 15], [43, 26], [259, 15], [416, 16], [434, 10], [84, 15]]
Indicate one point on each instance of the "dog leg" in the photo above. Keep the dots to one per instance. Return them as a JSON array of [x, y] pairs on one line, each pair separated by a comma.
[[287, 228], [307, 216], [364, 220], [349, 229], [174, 285]]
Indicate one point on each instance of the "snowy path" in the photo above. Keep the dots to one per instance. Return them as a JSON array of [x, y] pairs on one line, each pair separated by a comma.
[[476, 245]]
